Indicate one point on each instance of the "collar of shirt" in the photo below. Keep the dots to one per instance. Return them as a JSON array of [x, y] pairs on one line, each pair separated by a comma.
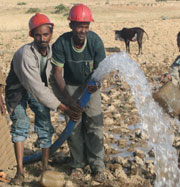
[[35, 50]]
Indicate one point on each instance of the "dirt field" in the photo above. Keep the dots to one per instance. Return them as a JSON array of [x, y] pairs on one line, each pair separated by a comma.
[[161, 21]]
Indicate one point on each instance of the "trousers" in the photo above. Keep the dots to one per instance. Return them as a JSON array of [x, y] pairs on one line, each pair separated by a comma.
[[86, 142]]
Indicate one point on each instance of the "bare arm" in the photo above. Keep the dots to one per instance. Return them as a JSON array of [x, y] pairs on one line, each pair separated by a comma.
[[62, 87], [61, 84]]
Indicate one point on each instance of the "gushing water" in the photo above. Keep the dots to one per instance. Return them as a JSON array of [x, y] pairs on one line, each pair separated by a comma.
[[155, 123]]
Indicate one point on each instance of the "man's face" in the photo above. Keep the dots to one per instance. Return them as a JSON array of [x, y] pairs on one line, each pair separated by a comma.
[[42, 36], [80, 29]]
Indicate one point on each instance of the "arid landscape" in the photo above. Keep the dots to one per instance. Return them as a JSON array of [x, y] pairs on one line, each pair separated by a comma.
[[129, 161]]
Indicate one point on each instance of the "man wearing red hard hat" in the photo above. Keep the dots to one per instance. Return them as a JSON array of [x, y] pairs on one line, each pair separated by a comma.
[[29, 83], [78, 53]]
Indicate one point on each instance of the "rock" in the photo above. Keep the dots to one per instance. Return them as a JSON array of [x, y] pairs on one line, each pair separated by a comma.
[[139, 153], [87, 177], [141, 134], [126, 162], [135, 170], [177, 142], [109, 175], [52, 179], [70, 184], [122, 143], [118, 160], [151, 153], [109, 121], [117, 116], [148, 170], [94, 183], [138, 160], [110, 150], [119, 172], [104, 97], [110, 109]]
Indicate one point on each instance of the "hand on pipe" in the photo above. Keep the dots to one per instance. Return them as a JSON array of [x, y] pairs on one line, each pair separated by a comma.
[[76, 107], [94, 88], [73, 115]]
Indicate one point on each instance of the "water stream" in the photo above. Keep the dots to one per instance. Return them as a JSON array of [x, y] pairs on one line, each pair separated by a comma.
[[154, 121]]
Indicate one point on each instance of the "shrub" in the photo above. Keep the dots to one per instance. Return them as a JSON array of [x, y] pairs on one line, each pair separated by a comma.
[[60, 9], [33, 10], [21, 3], [160, 0]]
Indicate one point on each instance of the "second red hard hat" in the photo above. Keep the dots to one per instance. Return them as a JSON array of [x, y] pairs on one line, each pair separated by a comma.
[[80, 13]]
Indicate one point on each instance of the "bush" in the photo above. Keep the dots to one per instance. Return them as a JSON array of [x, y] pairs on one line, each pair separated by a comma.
[[21, 3], [60, 9], [33, 10], [160, 0]]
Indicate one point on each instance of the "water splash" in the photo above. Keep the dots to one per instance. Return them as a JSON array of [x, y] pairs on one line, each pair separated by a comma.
[[155, 123]]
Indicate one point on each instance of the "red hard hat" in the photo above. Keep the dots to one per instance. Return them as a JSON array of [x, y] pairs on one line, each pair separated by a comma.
[[80, 13], [38, 20]]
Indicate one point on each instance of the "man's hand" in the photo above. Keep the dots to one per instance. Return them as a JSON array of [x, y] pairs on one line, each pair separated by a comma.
[[76, 107], [92, 88], [73, 115]]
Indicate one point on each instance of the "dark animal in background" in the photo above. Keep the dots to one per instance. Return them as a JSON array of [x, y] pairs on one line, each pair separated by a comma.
[[131, 34], [178, 41]]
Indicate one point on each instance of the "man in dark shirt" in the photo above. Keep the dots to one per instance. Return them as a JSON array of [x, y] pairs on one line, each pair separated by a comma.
[[78, 53]]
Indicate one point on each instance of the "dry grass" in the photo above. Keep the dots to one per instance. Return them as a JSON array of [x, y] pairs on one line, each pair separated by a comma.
[[155, 17], [159, 19]]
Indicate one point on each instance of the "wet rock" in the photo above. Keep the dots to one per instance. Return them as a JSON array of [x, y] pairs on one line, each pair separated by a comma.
[[138, 160], [138, 181], [148, 170], [119, 172], [177, 142], [141, 134], [122, 143], [118, 160], [110, 150], [106, 147], [109, 175], [151, 153], [139, 153], [107, 158], [127, 162], [70, 184], [135, 169]]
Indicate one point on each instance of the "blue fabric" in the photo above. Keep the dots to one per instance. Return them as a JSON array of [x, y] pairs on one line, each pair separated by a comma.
[[21, 122]]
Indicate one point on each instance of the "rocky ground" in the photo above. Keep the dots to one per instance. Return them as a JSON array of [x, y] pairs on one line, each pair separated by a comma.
[[129, 161]]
